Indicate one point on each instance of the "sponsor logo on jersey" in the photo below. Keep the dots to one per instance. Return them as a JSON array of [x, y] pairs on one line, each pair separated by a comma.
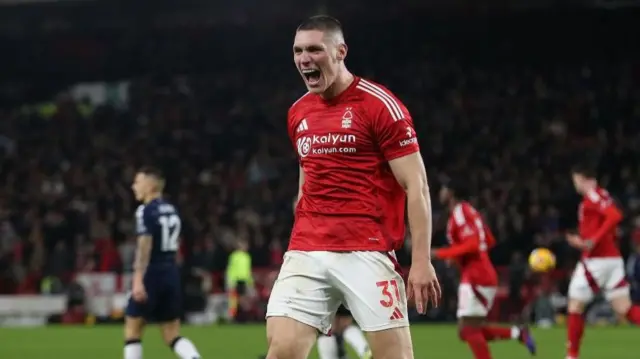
[[302, 126], [411, 140], [408, 142], [325, 144]]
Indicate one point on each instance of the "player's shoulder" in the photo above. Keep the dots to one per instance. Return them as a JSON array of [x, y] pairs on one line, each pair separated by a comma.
[[373, 90], [463, 212], [378, 97], [597, 195], [158, 207], [165, 207], [301, 103], [140, 210]]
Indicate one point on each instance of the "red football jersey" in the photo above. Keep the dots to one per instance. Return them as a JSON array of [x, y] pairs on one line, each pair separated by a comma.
[[350, 199], [592, 214], [465, 224]]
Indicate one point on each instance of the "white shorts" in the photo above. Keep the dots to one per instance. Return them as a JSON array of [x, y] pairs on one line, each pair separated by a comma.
[[475, 300], [311, 286], [595, 275]]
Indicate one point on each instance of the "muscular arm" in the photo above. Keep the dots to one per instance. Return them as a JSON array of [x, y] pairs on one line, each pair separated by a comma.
[[410, 173], [143, 255], [613, 216], [458, 250]]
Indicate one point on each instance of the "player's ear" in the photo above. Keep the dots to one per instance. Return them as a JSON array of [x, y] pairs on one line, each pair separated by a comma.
[[341, 52]]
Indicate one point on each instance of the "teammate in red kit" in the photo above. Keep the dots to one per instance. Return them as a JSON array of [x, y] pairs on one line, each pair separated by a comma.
[[359, 166], [601, 268], [470, 239]]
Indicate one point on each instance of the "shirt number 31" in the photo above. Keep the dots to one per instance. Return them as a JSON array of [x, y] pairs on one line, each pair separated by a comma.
[[389, 298]]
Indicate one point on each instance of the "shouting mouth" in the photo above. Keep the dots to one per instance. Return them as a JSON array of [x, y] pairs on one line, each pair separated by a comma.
[[312, 76]]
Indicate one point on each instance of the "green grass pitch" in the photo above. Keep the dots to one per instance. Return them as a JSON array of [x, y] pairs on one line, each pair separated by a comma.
[[248, 341]]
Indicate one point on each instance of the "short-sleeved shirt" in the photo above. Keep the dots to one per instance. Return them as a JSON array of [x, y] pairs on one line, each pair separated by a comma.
[[592, 213], [350, 199]]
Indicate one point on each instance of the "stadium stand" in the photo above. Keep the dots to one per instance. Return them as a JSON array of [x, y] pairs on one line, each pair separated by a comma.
[[511, 109]]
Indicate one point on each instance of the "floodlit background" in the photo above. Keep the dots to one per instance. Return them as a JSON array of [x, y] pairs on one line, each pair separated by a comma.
[[507, 93]]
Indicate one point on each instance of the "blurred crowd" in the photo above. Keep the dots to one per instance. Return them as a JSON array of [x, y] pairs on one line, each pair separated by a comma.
[[506, 111]]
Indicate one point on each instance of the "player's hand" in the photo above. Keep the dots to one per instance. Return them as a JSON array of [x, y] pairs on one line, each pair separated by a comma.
[[139, 292], [576, 241], [423, 285]]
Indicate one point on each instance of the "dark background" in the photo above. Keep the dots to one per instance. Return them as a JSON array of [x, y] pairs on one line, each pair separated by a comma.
[[509, 94]]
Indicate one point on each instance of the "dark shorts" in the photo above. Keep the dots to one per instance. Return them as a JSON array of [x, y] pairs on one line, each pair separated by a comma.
[[241, 288], [164, 297], [343, 312]]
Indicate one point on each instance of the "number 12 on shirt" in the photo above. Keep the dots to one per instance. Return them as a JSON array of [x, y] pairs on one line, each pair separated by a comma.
[[171, 226]]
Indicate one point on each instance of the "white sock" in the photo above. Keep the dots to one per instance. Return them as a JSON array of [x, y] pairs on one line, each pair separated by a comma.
[[327, 347], [185, 349], [354, 336], [515, 332], [133, 350]]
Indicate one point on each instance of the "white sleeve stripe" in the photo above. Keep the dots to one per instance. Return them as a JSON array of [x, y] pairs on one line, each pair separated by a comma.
[[393, 103], [393, 114], [594, 196], [384, 93], [385, 101], [458, 215], [139, 211], [390, 102]]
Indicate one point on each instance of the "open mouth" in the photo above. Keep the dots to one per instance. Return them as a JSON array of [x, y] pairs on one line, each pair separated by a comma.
[[312, 76]]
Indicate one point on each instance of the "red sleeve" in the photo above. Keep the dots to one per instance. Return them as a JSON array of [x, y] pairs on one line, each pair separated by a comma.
[[490, 238], [297, 127], [604, 204], [295, 123], [393, 128], [290, 127], [457, 250]]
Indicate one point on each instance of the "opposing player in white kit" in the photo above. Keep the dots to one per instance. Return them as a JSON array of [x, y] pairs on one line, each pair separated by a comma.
[[360, 166], [601, 268]]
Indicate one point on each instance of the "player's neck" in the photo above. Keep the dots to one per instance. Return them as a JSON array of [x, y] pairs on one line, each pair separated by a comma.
[[341, 84], [151, 197], [453, 204], [588, 188]]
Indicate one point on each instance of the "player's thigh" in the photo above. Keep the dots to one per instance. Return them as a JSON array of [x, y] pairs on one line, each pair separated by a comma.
[[135, 318], [373, 289], [475, 301], [393, 343], [302, 292], [582, 286], [170, 330], [168, 308], [342, 320], [464, 322], [615, 283], [289, 338]]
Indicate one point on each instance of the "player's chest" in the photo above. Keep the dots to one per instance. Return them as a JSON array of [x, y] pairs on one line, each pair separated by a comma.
[[334, 132], [588, 216]]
